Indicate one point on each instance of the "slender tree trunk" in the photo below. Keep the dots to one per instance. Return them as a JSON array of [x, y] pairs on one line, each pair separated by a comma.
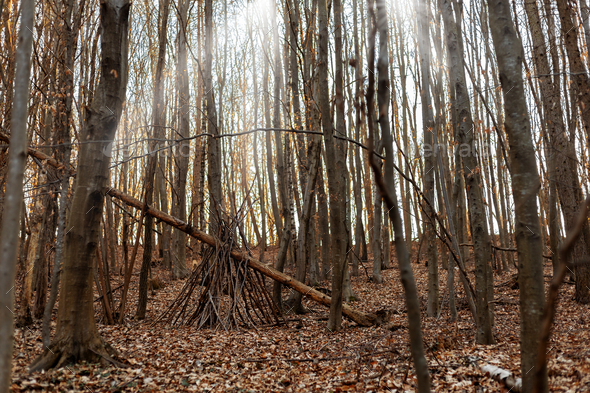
[[388, 191], [158, 116], [429, 163], [179, 268], [471, 174], [335, 158], [570, 203], [214, 170], [263, 241], [282, 156], [525, 185], [14, 191], [268, 124]]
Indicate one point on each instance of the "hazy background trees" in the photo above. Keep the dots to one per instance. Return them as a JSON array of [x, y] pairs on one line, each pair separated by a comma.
[[264, 104]]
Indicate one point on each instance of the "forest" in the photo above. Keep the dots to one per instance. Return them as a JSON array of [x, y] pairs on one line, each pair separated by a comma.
[[296, 195]]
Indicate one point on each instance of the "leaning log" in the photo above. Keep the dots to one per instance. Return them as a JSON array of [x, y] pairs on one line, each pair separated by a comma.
[[39, 155], [359, 317]]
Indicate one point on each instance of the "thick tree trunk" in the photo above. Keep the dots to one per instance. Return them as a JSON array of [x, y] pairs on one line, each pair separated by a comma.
[[76, 335]]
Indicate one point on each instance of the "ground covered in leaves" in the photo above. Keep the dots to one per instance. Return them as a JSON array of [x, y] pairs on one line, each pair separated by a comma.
[[302, 355]]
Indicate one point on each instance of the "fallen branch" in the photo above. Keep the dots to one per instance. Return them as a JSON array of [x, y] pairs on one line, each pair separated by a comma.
[[503, 249], [503, 376], [39, 155], [356, 316], [108, 293]]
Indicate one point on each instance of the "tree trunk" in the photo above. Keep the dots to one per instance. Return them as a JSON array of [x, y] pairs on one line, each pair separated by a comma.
[[158, 118], [571, 199], [14, 191], [282, 155], [335, 156], [388, 191], [214, 171], [525, 185], [471, 174], [76, 336], [179, 268], [429, 163]]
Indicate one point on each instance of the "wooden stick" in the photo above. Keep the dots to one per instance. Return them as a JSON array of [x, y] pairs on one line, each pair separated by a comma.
[[502, 249]]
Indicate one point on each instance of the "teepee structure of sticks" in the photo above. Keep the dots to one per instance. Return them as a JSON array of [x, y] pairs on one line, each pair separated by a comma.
[[223, 292]]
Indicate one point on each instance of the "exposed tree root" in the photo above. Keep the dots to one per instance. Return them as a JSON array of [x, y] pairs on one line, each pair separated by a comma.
[[62, 352]]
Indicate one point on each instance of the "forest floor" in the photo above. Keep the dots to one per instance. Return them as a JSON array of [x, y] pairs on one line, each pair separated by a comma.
[[302, 355]]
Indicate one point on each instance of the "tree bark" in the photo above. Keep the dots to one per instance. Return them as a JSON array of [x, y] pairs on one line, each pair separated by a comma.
[[388, 192], [429, 163], [571, 199], [179, 268], [76, 336], [14, 190], [335, 160], [214, 170], [471, 174], [525, 185], [158, 119]]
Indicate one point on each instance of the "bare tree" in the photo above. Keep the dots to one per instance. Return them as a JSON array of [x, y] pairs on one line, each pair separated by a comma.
[[77, 338], [429, 163], [471, 172], [388, 191], [179, 262], [335, 160], [14, 190], [158, 118], [525, 185]]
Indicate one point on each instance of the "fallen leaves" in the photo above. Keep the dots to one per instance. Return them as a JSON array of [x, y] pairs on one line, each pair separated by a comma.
[[303, 356]]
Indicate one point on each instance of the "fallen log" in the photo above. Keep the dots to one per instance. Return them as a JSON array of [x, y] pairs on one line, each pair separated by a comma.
[[504, 377], [360, 318]]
